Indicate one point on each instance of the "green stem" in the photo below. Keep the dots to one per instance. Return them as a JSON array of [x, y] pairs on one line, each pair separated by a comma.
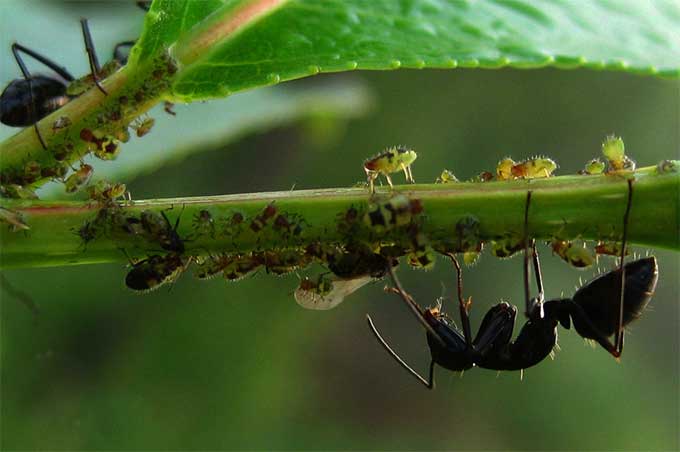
[[587, 207]]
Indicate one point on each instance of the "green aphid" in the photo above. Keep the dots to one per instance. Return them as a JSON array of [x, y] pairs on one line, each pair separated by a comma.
[[574, 255], [471, 257], [446, 177], [507, 247], [593, 167], [614, 151]]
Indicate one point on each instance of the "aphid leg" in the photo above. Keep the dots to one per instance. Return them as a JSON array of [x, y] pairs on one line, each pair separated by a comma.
[[92, 55], [118, 55], [429, 383], [618, 344], [407, 173], [389, 181], [462, 305]]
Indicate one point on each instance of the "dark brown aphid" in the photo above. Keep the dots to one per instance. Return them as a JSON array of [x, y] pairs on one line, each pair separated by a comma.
[[159, 229], [260, 221], [154, 271]]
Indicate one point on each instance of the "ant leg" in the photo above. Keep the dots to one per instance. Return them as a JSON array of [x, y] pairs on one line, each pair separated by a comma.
[[462, 305], [618, 344], [429, 384], [537, 270], [92, 55], [118, 55], [413, 306], [16, 48], [531, 303]]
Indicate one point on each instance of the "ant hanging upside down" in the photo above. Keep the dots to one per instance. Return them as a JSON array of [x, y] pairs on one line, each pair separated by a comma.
[[598, 310], [27, 100]]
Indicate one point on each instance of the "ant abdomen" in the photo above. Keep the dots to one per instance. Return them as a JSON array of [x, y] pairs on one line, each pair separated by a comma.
[[601, 309], [16, 109]]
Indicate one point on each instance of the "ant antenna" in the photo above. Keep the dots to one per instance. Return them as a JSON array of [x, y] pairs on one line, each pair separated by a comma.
[[92, 55], [618, 345], [429, 384]]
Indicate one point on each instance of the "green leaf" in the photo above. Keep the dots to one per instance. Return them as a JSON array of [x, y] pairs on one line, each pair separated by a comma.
[[298, 38]]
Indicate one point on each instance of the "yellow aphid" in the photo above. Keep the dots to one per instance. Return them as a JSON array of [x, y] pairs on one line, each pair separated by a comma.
[[595, 166], [504, 169], [471, 257], [534, 168], [446, 177], [143, 126], [78, 178], [390, 161], [572, 254], [507, 246]]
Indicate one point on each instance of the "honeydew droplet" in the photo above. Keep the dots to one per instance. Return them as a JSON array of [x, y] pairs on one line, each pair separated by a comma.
[[314, 69], [352, 65], [395, 64], [419, 64]]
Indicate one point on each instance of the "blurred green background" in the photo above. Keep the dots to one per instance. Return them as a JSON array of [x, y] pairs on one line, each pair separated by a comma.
[[212, 365]]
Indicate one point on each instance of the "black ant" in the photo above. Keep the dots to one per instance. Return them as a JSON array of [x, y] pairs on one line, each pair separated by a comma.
[[27, 100], [599, 309]]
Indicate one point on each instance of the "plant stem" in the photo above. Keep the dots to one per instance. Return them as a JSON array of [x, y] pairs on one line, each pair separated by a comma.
[[587, 207]]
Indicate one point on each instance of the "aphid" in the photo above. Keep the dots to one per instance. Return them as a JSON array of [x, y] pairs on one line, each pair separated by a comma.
[[358, 260], [32, 172], [465, 237], [668, 166], [534, 168], [422, 256], [504, 169], [204, 224], [61, 123], [484, 176], [598, 310], [143, 126], [154, 271], [507, 246], [284, 261], [159, 229], [613, 150], [399, 210], [390, 161], [326, 292], [241, 265], [593, 167], [17, 191], [609, 248], [169, 108], [79, 178], [210, 266], [14, 219], [446, 177], [260, 221], [26, 101], [573, 254], [106, 192]]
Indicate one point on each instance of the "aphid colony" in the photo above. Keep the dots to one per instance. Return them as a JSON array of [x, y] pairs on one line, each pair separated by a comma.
[[27, 100]]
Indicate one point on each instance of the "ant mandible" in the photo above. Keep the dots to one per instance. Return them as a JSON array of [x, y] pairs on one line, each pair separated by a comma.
[[596, 310], [27, 100]]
